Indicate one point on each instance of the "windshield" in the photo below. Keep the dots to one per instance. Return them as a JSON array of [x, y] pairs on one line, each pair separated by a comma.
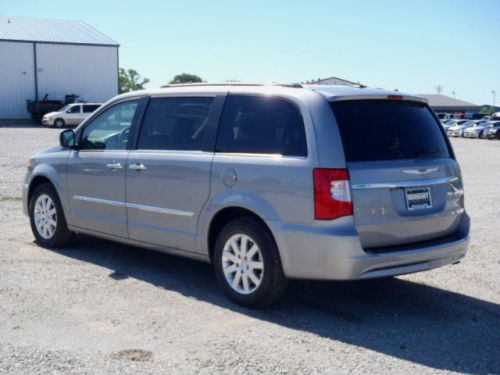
[[375, 130], [467, 123], [64, 109]]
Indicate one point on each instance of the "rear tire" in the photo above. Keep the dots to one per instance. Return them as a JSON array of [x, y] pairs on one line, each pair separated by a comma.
[[47, 220], [247, 264]]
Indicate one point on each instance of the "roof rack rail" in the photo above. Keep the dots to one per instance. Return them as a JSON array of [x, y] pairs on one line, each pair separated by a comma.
[[295, 85]]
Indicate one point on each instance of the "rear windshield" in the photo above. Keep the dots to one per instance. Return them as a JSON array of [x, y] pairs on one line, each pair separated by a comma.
[[388, 130]]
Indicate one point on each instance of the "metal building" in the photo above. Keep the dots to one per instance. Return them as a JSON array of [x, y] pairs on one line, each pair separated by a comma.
[[442, 103], [55, 57]]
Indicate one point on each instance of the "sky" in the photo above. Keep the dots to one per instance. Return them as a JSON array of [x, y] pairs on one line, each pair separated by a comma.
[[413, 46]]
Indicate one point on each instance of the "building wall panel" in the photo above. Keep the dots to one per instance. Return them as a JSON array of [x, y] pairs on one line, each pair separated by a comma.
[[88, 71], [17, 79]]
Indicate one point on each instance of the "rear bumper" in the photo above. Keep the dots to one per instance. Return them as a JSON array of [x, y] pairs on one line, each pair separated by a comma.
[[335, 253]]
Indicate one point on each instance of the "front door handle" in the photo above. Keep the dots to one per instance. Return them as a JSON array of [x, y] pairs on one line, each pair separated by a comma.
[[137, 167], [114, 166]]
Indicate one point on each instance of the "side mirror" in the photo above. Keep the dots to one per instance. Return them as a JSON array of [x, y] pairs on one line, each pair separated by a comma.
[[67, 139]]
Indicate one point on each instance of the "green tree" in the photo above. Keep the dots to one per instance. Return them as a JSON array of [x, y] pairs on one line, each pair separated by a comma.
[[131, 80], [186, 78], [487, 110]]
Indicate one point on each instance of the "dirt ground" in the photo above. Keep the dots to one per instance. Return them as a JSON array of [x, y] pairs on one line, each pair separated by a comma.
[[99, 307]]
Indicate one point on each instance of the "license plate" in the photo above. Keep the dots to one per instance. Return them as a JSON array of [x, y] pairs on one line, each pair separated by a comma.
[[418, 198]]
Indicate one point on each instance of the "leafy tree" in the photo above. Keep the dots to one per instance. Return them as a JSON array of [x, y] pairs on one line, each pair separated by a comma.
[[186, 78], [487, 110], [131, 80]]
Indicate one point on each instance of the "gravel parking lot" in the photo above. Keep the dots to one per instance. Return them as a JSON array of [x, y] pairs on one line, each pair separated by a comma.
[[99, 307]]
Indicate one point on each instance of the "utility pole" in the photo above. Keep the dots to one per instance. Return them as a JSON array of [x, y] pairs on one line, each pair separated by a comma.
[[439, 89], [453, 93], [494, 93]]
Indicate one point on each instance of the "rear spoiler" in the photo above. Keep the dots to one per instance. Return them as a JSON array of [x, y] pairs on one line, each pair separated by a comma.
[[402, 97]]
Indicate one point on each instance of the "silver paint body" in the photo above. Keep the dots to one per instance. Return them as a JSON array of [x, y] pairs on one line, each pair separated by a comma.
[[169, 205]]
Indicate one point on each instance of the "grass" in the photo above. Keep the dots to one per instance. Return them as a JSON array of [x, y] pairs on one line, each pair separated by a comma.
[[6, 198]]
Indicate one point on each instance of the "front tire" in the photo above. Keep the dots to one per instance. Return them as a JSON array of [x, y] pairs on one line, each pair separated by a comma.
[[59, 123], [247, 264], [47, 220]]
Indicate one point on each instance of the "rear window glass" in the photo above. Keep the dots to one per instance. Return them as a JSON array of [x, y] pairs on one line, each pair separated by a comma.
[[261, 124], [388, 130]]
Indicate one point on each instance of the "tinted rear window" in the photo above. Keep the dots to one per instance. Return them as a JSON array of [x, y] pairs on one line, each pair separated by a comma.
[[388, 130]]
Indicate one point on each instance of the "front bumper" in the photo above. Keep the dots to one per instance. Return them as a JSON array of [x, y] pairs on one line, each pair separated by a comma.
[[471, 135], [326, 253], [47, 122]]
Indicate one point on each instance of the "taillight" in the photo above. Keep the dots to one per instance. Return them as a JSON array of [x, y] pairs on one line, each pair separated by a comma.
[[395, 97], [332, 193]]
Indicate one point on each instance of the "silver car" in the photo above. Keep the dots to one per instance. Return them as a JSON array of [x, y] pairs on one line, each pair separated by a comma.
[[266, 182], [476, 130], [457, 130]]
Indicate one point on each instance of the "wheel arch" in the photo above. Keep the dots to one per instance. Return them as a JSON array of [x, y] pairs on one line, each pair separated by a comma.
[[44, 173], [36, 182], [226, 215]]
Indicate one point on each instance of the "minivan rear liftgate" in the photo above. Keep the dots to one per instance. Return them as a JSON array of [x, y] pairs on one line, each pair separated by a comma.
[[405, 183]]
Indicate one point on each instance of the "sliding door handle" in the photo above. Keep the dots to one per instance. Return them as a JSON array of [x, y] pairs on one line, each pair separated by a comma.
[[114, 166]]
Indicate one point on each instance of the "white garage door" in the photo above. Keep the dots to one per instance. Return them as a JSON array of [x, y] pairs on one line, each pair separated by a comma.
[[17, 79]]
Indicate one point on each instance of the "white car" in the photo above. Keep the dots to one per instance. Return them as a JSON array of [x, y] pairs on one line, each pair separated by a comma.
[[458, 129], [70, 114], [452, 123], [477, 130]]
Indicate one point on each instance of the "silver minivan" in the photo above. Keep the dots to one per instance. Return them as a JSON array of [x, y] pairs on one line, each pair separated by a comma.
[[70, 114], [266, 182]]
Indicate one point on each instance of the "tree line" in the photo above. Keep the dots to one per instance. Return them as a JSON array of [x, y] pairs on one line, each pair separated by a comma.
[[131, 80]]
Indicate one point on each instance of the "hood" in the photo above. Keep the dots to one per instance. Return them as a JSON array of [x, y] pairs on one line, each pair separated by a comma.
[[49, 150], [51, 113]]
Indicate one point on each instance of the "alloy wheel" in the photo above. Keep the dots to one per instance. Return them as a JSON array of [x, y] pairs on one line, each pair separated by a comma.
[[45, 216], [242, 264]]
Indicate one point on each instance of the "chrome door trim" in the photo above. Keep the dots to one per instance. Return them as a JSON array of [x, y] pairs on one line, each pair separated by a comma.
[[160, 210], [404, 184], [168, 211], [98, 201]]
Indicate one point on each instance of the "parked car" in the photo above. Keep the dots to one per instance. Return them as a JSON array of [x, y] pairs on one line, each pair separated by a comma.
[[266, 182], [447, 122], [458, 129], [493, 131], [453, 123], [476, 130], [71, 114]]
